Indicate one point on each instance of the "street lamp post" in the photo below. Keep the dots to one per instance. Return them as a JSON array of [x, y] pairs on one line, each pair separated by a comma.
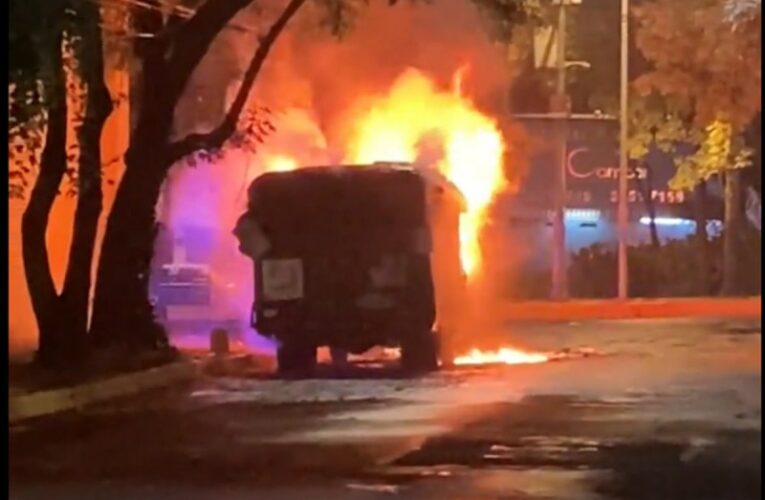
[[560, 105], [623, 209]]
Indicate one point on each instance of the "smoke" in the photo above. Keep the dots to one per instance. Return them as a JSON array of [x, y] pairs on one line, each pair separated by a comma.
[[315, 82], [312, 68]]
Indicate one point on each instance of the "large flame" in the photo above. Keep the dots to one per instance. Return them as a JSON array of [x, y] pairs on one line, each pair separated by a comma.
[[505, 355], [279, 163], [404, 124], [397, 126]]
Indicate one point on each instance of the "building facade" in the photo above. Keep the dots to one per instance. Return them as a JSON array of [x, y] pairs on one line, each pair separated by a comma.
[[592, 178]]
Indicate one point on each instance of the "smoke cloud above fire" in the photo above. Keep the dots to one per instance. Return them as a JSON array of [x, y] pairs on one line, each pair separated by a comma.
[[416, 82], [310, 68]]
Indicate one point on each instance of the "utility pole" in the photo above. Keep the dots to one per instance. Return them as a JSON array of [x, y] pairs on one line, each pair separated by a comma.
[[560, 105], [623, 209]]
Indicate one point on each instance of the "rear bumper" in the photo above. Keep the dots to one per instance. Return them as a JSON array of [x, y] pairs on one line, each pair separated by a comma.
[[346, 327]]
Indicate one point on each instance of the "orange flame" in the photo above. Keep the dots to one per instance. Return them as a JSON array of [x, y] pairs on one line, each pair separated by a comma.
[[395, 126], [280, 163], [505, 355], [398, 126], [459, 78]]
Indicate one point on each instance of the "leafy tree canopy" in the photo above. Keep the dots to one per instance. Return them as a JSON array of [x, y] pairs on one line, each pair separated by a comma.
[[703, 89]]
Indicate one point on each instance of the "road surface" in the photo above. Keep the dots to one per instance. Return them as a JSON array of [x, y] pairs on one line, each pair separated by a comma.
[[667, 409]]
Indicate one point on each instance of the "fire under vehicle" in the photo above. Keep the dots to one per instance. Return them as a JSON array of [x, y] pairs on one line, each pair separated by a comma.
[[353, 257]]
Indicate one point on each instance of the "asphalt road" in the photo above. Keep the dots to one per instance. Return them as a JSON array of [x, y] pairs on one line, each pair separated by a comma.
[[668, 409]]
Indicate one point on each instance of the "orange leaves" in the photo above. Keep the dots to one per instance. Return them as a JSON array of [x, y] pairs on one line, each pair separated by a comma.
[[701, 58]]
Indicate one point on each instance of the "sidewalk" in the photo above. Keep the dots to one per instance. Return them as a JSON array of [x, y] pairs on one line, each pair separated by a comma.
[[750, 307], [25, 403]]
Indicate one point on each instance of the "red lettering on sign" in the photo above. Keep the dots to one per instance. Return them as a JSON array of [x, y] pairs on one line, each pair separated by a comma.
[[570, 165], [601, 172]]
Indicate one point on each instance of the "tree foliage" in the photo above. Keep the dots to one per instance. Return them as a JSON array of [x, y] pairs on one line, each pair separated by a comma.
[[698, 152], [33, 85], [703, 89], [718, 152], [709, 64], [706, 61], [33, 28]]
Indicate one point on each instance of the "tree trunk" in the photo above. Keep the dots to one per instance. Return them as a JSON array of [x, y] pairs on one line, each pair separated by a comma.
[[75, 295], [122, 312], [731, 232], [650, 206], [655, 241], [53, 349], [707, 281]]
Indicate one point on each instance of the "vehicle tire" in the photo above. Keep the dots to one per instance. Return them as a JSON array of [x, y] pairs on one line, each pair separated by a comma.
[[419, 353], [296, 359], [339, 356], [446, 350]]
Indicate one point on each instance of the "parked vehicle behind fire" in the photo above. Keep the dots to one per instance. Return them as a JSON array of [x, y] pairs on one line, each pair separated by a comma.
[[351, 257]]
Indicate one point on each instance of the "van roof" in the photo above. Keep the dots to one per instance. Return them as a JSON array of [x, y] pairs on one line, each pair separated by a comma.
[[433, 179]]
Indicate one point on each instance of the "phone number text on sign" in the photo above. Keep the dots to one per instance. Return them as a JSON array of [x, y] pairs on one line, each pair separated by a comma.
[[663, 196], [667, 197]]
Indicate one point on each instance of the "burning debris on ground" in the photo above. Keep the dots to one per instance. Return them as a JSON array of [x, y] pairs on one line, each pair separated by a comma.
[[513, 356]]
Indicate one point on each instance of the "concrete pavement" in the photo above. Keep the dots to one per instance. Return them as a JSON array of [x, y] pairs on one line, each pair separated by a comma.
[[670, 409]]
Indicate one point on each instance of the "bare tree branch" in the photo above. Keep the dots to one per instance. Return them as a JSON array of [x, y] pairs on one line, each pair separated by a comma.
[[192, 39], [215, 138]]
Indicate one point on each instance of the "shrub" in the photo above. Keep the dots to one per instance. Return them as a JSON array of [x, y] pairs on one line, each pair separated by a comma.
[[675, 269]]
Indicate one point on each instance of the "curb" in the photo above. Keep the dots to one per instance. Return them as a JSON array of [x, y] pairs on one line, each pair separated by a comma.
[[37, 404], [750, 307]]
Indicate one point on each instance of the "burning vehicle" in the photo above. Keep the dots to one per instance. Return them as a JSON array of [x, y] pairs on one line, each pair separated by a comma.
[[351, 257]]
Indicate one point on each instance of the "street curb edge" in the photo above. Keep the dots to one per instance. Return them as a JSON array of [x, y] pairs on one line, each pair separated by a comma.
[[41, 403]]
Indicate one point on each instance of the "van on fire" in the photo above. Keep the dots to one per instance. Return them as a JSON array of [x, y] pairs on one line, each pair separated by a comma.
[[351, 257]]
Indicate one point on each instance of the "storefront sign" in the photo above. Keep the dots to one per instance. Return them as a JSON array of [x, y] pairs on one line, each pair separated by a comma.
[[592, 172]]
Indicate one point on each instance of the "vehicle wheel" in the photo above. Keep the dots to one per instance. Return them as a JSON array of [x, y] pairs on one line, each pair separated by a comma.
[[446, 350], [419, 353], [296, 359], [339, 356]]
